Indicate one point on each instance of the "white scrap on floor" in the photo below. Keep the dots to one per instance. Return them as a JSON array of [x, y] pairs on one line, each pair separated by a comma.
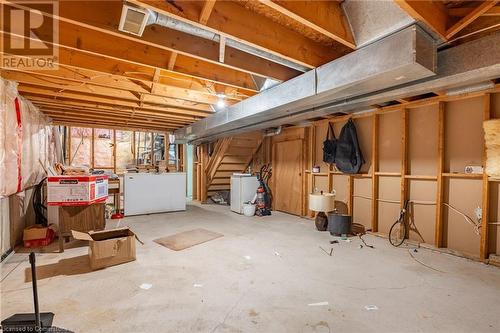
[[196, 285], [247, 257], [371, 307], [318, 304], [145, 286]]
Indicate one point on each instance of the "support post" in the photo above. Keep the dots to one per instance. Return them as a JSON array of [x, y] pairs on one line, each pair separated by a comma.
[[438, 235], [484, 251], [375, 179]]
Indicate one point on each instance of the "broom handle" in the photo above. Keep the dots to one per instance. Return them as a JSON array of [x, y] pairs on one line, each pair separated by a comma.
[[38, 326]]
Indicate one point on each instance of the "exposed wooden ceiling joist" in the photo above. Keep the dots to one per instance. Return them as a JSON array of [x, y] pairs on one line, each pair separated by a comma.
[[78, 38], [73, 61], [102, 108], [104, 16], [208, 6], [125, 117], [464, 11], [93, 80], [432, 13], [28, 90], [136, 114], [441, 19], [466, 20], [88, 87], [235, 22], [56, 114], [325, 17], [122, 125]]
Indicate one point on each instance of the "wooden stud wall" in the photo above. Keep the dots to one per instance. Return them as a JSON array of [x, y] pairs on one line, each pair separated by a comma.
[[421, 183], [92, 148]]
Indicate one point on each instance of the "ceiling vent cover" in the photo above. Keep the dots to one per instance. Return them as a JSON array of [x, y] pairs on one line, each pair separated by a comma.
[[133, 20]]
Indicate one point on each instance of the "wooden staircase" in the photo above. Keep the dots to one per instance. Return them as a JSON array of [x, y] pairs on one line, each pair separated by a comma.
[[230, 155]]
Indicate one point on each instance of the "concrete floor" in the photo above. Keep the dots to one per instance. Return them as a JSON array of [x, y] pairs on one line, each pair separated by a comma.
[[264, 275]]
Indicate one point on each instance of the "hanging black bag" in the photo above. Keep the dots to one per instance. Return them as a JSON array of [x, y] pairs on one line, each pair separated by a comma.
[[348, 156], [329, 146]]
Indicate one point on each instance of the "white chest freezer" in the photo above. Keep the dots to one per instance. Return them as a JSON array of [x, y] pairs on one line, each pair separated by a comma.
[[243, 189], [146, 193]]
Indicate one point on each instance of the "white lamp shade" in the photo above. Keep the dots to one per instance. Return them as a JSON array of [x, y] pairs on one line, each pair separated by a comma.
[[322, 202]]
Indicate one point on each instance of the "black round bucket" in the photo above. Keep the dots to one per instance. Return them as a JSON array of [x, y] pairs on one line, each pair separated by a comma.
[[339, 224]]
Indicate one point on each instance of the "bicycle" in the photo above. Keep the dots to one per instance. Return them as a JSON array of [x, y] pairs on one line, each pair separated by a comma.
[[399, 230]]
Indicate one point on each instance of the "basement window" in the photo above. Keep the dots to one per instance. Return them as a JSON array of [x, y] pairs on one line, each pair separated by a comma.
[[124, 150], [103, 148], [80, 146]]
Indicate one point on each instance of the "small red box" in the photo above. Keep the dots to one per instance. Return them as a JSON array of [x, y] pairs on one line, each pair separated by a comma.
[[76, 190], [41, 242]]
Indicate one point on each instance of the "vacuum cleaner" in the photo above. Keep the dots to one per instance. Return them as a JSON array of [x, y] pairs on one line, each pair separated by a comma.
[[263, 199]]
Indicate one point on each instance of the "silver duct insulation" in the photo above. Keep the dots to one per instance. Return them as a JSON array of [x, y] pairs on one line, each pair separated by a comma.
[[172, 23], [405, 56], [464, 65]]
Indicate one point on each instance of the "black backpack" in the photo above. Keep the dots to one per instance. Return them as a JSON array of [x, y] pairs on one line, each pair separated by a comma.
[[329, 146], [348, 156]]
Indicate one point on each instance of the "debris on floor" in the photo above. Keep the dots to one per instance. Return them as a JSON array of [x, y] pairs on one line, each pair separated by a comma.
[[186, 239], [197, 285], [371, 307], [318, 304], [329, 253], [146, 286]]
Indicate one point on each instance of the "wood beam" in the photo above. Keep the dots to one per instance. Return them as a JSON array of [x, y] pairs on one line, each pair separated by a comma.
[[461, 12], [325, 17], [73, 37], [103, 123], [206, 11], [485, 206], [469, 18], [86, 105], [54, 94], [103, 17], [171, 61], [74, 60], [439, 225], [234, 21], [432, 13], [95, 79], [93, 124], [375, 169], [125, 114], [60, 114], [89, 87]]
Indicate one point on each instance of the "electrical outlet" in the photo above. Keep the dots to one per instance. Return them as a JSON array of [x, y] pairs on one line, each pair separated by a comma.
[[479, 212]]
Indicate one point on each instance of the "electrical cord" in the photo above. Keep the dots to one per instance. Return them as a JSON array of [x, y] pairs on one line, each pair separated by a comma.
[[38, 206], [467, 218]]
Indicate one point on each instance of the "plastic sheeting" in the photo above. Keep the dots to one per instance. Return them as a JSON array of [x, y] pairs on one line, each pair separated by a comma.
[[27, 141]]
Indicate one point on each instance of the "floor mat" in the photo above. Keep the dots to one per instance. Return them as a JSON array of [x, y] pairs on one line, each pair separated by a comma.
[[186, 239]]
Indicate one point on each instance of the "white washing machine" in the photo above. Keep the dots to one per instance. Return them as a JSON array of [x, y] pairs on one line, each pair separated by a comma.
[[243, 189]]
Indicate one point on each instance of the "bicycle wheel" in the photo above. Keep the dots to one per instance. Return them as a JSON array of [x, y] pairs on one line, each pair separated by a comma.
[[397, 233]]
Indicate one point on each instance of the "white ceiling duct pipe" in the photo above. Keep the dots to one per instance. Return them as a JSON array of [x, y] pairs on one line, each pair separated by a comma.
[[135, 19]]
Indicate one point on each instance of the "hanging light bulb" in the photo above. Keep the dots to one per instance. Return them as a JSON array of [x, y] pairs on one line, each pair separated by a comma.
[[221, 103]]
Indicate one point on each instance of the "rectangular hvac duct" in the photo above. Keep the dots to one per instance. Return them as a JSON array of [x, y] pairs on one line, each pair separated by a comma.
[[404, 56]]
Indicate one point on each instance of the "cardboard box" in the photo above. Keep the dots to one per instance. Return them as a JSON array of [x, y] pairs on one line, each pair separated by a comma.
[[109, 247], [37, 231], [76, 190]]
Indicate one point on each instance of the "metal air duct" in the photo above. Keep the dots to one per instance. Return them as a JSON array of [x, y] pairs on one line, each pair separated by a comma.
[[402, 57]]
